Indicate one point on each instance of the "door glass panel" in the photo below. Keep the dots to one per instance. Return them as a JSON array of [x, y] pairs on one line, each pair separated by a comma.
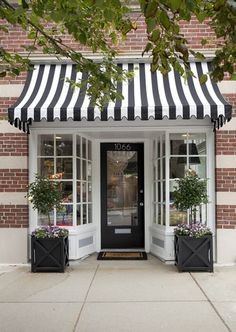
[[122, 188]]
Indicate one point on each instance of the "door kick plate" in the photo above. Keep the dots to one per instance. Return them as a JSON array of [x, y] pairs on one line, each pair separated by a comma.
[[122, 230]]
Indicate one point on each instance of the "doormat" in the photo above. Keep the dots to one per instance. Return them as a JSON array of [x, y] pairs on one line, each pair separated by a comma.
[[121, 255]]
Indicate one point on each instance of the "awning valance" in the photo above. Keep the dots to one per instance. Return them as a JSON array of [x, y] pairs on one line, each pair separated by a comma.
[[47, 95]]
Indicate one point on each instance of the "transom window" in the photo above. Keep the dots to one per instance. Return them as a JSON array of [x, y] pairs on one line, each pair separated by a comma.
[[67, 159]]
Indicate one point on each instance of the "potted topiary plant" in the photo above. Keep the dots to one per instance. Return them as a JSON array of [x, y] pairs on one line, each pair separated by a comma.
[[193, 241], [49, 244]]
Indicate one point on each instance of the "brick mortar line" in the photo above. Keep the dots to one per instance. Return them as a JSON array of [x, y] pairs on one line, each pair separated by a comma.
[[210, 302], [85, 299]]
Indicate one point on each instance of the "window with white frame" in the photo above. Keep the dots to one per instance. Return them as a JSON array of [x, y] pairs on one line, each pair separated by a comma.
[[159, 178], [185, 150], [67, 159]]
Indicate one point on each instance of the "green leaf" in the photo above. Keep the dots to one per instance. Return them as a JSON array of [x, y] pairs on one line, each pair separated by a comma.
[[151, 9], [15, 71], [3, 73], [148, 47], [24, 4], [203, 78], [204, 41], [155, 35], [200, 56], [175, 4], [233, 77], [151, 24], [201, 16], [3, 28], [32, 34], [82, 37], [164, 19]]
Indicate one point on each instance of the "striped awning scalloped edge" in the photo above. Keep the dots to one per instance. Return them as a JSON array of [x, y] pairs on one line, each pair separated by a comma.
[[47, 95]]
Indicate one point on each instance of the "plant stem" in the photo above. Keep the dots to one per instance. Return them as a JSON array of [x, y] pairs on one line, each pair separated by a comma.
[[49, 221]]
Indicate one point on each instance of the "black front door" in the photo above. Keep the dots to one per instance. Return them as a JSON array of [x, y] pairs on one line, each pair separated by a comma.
[[122, 195]]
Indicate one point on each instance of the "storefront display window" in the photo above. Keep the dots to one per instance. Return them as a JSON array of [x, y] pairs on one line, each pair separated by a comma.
[[185, 151], [72, 167]]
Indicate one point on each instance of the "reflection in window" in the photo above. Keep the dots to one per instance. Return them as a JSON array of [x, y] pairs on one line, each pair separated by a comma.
[[186, 151], [122, 188], [159, 184], [64, 145], [56, 160]]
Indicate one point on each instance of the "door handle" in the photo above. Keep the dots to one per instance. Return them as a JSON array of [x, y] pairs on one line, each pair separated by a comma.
[[141, 204]]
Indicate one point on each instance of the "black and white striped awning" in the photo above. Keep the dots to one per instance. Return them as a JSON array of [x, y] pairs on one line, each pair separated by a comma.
[[47, 95]]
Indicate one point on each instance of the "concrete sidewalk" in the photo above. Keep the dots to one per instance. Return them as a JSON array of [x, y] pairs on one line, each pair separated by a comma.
[[116, 296]]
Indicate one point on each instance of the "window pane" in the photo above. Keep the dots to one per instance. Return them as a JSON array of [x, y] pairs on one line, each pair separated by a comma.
[[200, 168], [84, 169], [89, 192], [84, 155], [158, 169], [197, 144], [64, 145], [78, 214], [154, 214], [163, 146], [66, 188], [78, 166], [159, 191], [164, 191], [90, 213], [164, 214], [84, 214], [64, 168], [78, 192], [89, 150], [64, 217], [43, 219], [46, 166], [45, 145], [177, 168], [159, 208], [163, 168], [89, 171], [177, 217], [78, 144], [84, 191], [177, 144], [158, 149], [173, 184]]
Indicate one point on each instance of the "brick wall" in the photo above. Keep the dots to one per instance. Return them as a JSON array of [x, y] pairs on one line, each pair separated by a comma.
[[226, 216], [13, 180], [231, 98], [226, 179], [226, 142], [13, 144], [4, 104], [13, 216]]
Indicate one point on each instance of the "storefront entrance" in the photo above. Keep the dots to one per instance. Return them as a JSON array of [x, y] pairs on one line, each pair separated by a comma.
[[122, 195]]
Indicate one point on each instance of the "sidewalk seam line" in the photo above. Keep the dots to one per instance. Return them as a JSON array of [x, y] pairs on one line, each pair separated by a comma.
[[85, 299], [210, 302]]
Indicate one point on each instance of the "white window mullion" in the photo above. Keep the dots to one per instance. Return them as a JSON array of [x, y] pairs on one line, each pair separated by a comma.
[[74, 187], [167, 184], [54, 172]]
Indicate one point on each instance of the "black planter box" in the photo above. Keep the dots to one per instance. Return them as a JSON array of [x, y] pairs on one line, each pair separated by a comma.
[[194, 254], [49, 255]]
